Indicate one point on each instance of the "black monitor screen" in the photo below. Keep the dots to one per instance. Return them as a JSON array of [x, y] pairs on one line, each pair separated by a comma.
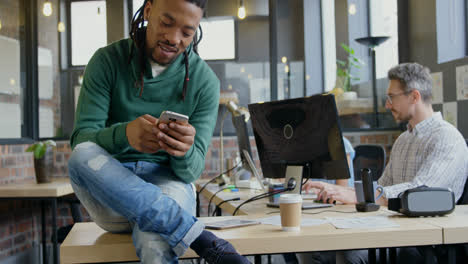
[[301, 131]]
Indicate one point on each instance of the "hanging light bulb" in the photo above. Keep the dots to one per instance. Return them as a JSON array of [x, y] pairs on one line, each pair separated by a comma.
[[241, 12], [47, 8], [61, 27], [352, 9]]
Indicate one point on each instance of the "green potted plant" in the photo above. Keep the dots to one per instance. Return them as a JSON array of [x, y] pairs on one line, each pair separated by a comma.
[[343, 72], [43, 159]]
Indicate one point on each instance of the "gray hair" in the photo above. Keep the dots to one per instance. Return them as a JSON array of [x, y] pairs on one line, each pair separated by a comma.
[[413, 76]]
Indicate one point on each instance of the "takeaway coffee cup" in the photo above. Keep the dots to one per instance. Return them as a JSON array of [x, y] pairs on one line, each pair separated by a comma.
[[360, 193], [290, 211]]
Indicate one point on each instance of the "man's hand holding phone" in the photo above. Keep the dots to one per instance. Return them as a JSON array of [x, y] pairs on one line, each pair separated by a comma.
[[176, 136], [142, 134], [171, 132]]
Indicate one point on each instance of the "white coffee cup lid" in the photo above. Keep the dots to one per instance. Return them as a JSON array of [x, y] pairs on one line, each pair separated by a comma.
[[290, 198]]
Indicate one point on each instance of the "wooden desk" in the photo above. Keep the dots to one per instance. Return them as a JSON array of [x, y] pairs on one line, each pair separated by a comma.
[[56, 188], [87, 243], [412, 231], [45, 192], [455, 225], [332, 238]]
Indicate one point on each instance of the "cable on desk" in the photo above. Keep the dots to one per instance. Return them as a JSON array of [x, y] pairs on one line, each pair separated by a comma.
[[206, 184], [290, 185], [220, 190], [216, 177], [228, 200], [260, 196]]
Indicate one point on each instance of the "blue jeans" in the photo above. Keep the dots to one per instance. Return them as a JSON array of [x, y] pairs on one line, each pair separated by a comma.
[[139, 197]]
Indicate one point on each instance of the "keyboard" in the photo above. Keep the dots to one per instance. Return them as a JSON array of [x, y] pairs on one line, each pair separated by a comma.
[[308, 196], [305, 205]]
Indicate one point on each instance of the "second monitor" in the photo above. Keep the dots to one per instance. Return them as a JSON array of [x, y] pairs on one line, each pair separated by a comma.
[[300, 137]]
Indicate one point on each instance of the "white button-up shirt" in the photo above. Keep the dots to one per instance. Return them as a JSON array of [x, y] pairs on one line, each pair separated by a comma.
[[433, 153]]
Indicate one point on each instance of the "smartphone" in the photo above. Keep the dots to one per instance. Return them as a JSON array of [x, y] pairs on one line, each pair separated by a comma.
[[230, 223], [169, 116]]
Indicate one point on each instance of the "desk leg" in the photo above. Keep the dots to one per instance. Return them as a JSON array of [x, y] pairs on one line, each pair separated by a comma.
[[392, 254], [258, 259], [452, 254], [372, 256], [54, 229], [383, 255], [429, 257], [218, 211], [44, 242]]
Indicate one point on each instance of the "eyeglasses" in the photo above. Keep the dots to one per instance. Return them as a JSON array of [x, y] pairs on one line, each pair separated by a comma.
[[389, 97]]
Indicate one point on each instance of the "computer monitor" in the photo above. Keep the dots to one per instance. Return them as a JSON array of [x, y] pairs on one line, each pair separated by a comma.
[[240, 124], [248, 169], [299, 138]]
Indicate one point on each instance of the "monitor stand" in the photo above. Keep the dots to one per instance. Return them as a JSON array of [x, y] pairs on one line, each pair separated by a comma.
[[294, 175], [253, 169]]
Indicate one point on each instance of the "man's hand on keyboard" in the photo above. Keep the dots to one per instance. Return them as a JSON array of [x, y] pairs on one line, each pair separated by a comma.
[[331, 193]]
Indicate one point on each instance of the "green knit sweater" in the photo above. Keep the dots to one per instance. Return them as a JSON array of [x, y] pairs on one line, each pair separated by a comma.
[[110, 99]]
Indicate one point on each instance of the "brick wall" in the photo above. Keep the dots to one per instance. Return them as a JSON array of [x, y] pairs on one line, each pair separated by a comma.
[[20, 222]]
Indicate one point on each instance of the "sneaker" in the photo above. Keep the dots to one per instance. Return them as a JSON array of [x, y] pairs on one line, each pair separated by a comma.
[[216, 250]]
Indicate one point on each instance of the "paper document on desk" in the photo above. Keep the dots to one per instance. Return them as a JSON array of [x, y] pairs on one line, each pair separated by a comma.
[[276, 220], [362, 222]]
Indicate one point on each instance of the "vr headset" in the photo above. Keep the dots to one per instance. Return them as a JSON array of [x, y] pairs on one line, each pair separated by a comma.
[[423, 201]]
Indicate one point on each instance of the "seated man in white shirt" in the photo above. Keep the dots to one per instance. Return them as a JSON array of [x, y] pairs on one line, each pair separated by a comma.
[[431, 152]]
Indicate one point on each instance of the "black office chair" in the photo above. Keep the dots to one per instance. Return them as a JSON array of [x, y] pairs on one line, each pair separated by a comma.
[[369, 156]]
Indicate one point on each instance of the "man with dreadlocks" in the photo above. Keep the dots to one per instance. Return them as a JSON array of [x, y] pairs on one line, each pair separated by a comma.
[[130, 173]]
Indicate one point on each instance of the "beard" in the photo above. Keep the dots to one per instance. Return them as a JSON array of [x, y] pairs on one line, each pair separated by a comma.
[[151, 51], [400, 117]]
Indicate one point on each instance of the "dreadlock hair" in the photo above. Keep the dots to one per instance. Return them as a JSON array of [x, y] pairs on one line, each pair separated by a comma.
[[138, 35]]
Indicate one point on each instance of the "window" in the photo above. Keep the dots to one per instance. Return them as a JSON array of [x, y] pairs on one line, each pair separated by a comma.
[[88, 30], [12, 67], [136, 4], [451, 30], [219, 42], [363, 19], [384, 22]]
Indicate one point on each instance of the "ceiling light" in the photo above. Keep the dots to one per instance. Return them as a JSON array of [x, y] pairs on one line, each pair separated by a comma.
[[284, 59], [352, 9], [61, 27], [47, 8], [241, 12]]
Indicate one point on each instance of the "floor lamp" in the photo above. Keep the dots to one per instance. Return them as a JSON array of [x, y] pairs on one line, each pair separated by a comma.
[[372, 43]]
